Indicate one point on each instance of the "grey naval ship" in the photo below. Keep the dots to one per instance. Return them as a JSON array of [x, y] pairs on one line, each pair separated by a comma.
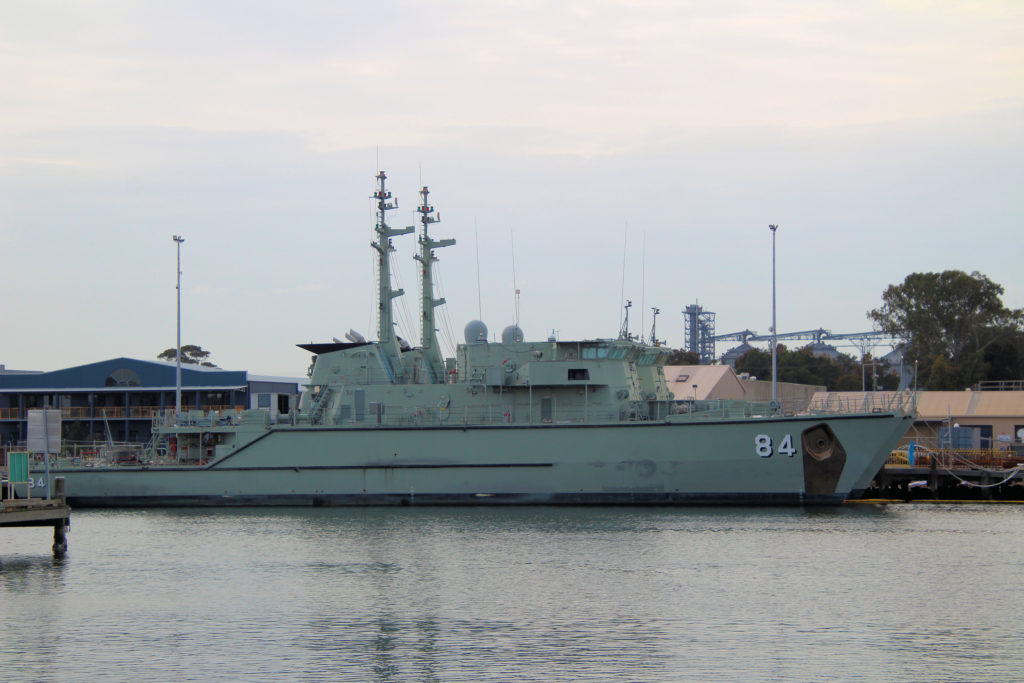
[[516, 422]]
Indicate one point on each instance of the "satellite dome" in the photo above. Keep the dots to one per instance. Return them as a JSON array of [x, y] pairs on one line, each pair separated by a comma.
[[511, 335], [476, 332]]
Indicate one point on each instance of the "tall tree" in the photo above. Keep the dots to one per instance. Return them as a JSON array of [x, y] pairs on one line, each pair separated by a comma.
[[949, 321], [190, 355]]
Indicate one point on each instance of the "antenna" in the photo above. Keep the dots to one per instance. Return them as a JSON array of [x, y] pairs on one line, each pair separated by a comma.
[[775, 336], [643, 279], [479, 301], [515, 286], [624, 332], [654, 339], [622, 288]]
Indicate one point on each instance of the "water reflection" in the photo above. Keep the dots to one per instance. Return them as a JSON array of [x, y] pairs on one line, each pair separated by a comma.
[[28, 573], [30, 586], [553, 594]]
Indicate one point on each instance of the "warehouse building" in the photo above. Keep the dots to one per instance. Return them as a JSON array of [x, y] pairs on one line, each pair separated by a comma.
[[115, 400]]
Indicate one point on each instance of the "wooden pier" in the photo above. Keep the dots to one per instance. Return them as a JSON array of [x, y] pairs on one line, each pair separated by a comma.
[[951, 476], [28, 511]]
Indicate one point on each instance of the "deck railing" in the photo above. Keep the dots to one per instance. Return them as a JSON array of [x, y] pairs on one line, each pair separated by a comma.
[[539, 412], [206, 416], [644, 411], [864, 402]]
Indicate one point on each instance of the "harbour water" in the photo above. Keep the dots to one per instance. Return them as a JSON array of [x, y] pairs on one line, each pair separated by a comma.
[[857, 593]]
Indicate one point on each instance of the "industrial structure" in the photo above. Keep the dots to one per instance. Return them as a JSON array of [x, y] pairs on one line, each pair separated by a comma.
[[700, 338]]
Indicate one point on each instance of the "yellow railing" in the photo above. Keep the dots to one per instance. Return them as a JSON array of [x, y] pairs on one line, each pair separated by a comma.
[[957, 457], [144, 411]]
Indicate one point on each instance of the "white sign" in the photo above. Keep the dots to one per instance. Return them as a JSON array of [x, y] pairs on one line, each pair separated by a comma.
[[44, 431]]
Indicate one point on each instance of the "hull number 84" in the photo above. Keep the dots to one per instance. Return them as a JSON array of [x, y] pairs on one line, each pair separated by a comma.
[[765, 448]]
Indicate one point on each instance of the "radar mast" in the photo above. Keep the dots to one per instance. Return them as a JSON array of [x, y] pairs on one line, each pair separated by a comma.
[[428, 334], [386, 324]]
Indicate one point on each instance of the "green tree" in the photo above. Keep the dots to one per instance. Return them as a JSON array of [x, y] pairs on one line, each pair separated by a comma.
[[1005, 355], [682, 357], [190, 355], [956, 318], [802, 366]]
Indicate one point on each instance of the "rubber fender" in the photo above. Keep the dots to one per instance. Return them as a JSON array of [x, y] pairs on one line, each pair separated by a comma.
[[824, 459]]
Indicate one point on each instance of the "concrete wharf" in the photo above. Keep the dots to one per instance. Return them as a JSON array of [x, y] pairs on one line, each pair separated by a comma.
[[29, 512]]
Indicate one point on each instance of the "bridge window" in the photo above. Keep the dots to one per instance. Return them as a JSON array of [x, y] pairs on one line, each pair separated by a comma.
[[578, 374]]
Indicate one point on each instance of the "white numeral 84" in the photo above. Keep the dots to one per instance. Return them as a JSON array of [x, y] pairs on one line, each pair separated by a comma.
[[764, 448]]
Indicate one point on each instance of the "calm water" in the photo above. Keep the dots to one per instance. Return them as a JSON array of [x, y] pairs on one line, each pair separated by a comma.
[[899, 593]]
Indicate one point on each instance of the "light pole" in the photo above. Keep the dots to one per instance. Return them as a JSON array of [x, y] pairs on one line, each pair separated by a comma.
[[863, 376], [178, 239], [775, 342]]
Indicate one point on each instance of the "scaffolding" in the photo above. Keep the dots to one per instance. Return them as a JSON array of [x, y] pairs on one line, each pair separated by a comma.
[[700, 332]]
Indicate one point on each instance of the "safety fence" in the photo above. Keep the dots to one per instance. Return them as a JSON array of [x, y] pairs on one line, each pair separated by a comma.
[[956, 458]]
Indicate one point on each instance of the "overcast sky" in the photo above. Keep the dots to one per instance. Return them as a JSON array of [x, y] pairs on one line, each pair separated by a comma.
[[584, 152]]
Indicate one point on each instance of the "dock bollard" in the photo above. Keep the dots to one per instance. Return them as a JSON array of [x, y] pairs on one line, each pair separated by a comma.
[[60, 539]]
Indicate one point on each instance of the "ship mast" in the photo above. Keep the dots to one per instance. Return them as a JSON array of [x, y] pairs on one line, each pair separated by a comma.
[[386, 324], [428, 334]]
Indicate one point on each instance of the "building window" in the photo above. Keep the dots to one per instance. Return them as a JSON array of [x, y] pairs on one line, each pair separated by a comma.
[[263, 401]]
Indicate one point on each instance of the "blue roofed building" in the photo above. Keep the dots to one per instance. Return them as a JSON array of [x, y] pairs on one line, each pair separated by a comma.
[[116, 399]]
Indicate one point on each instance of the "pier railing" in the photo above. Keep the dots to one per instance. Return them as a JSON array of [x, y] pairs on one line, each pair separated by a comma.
[[956, 458], [999, 385]]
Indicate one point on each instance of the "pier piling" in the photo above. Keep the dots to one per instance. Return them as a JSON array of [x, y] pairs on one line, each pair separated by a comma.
[[26, 512]]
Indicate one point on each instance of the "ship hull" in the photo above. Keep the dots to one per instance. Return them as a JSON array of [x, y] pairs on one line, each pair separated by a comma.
[[694, 462]]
